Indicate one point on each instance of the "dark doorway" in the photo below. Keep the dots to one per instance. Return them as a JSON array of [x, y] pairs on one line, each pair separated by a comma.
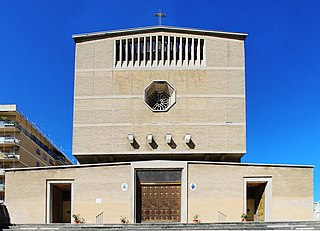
[[158, 196], [60, 203], [256, 201]]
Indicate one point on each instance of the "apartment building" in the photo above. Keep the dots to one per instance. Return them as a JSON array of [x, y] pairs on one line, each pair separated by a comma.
[[23, 145]]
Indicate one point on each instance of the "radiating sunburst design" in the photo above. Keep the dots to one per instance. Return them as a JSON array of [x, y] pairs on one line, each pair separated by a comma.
[[159, 101], [159, 96]]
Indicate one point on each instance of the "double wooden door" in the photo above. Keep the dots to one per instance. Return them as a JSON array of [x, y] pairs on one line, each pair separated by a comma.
[[159, 203]]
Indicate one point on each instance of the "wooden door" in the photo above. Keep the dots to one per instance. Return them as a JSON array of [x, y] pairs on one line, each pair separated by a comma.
[[160, 202]]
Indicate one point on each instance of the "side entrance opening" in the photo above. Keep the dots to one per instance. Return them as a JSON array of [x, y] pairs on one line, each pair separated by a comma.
[[59, 202], [256, 201], [257, 198], [158, 196]]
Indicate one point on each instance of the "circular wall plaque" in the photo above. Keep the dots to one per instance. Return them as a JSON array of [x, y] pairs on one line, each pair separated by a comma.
[[124, 187], [193, 186]]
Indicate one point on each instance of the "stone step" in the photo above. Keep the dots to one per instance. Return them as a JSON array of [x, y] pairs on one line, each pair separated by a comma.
[[304, 225]]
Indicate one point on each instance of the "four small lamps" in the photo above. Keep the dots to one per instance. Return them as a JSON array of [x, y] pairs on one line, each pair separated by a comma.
[[187, 138]]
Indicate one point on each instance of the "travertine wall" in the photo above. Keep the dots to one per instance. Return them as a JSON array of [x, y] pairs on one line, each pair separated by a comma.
[[26, 193], [220, 188], [108, 103]]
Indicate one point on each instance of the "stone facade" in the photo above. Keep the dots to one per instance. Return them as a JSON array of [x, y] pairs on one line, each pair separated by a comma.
[[210, 104], [167, 165], [220, 188]]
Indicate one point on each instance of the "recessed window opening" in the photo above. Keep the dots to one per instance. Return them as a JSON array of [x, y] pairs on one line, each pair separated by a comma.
[[129, 50], [159, 50], [141, 49], [159, 96], [117, 50], [153, 48], [123, 48], [201, 49], [148, 49], [189, 48], [171, 48], [195, 47], [135, 50], [177, 48], [165, 47], [183, 48]]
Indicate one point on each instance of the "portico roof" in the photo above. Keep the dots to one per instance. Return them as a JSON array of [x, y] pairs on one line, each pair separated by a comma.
[[162, 161]]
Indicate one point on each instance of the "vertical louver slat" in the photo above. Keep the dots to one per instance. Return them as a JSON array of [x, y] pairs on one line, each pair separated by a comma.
[[127, 52], [192, 52], [138, 52], [198, 53], [174, 50], [145, 51], [157, 51], [162, 50]]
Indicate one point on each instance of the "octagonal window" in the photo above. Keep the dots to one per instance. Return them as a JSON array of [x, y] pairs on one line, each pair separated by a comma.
[[159, 96]]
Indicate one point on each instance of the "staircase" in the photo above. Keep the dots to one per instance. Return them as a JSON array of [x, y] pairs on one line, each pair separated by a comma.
[[303, 225]]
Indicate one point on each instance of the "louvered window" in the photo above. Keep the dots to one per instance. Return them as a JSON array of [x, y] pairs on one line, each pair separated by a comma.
[[159, 51]]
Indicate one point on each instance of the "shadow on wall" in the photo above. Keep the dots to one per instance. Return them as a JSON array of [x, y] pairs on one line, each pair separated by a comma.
[[4, 217]]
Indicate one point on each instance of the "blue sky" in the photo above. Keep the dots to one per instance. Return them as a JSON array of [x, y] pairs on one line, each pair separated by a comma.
[[282, 63]]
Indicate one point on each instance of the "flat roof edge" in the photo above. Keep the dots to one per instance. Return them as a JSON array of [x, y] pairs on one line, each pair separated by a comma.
[[112, 33], [8, 107], [129, 163], [65, 166], [254, 164]]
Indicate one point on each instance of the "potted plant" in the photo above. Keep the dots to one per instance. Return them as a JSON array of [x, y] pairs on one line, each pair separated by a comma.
[[4, 118], [77, 218], [196, 218], [244, 217], [124, 220]]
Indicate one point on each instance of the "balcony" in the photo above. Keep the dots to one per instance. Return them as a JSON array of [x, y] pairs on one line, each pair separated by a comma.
[[15, 126], [9, 156], [9, 140], [7, 124]]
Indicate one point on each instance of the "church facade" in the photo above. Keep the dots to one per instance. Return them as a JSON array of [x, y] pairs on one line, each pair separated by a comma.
[[159, 130]]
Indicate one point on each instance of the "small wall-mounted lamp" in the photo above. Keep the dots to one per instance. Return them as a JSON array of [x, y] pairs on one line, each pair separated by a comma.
[[149, 138], [133, 142], [131, 138], [187, 138], [169, 138], [151, 141]]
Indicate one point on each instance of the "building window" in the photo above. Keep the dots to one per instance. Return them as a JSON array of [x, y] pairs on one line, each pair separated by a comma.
[[155, 51], [51, 161], [159, 96], [37, 164], [44, 156], [38, 151]]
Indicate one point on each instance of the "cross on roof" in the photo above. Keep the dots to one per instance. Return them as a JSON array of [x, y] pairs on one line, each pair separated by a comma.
[[159, 14]]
